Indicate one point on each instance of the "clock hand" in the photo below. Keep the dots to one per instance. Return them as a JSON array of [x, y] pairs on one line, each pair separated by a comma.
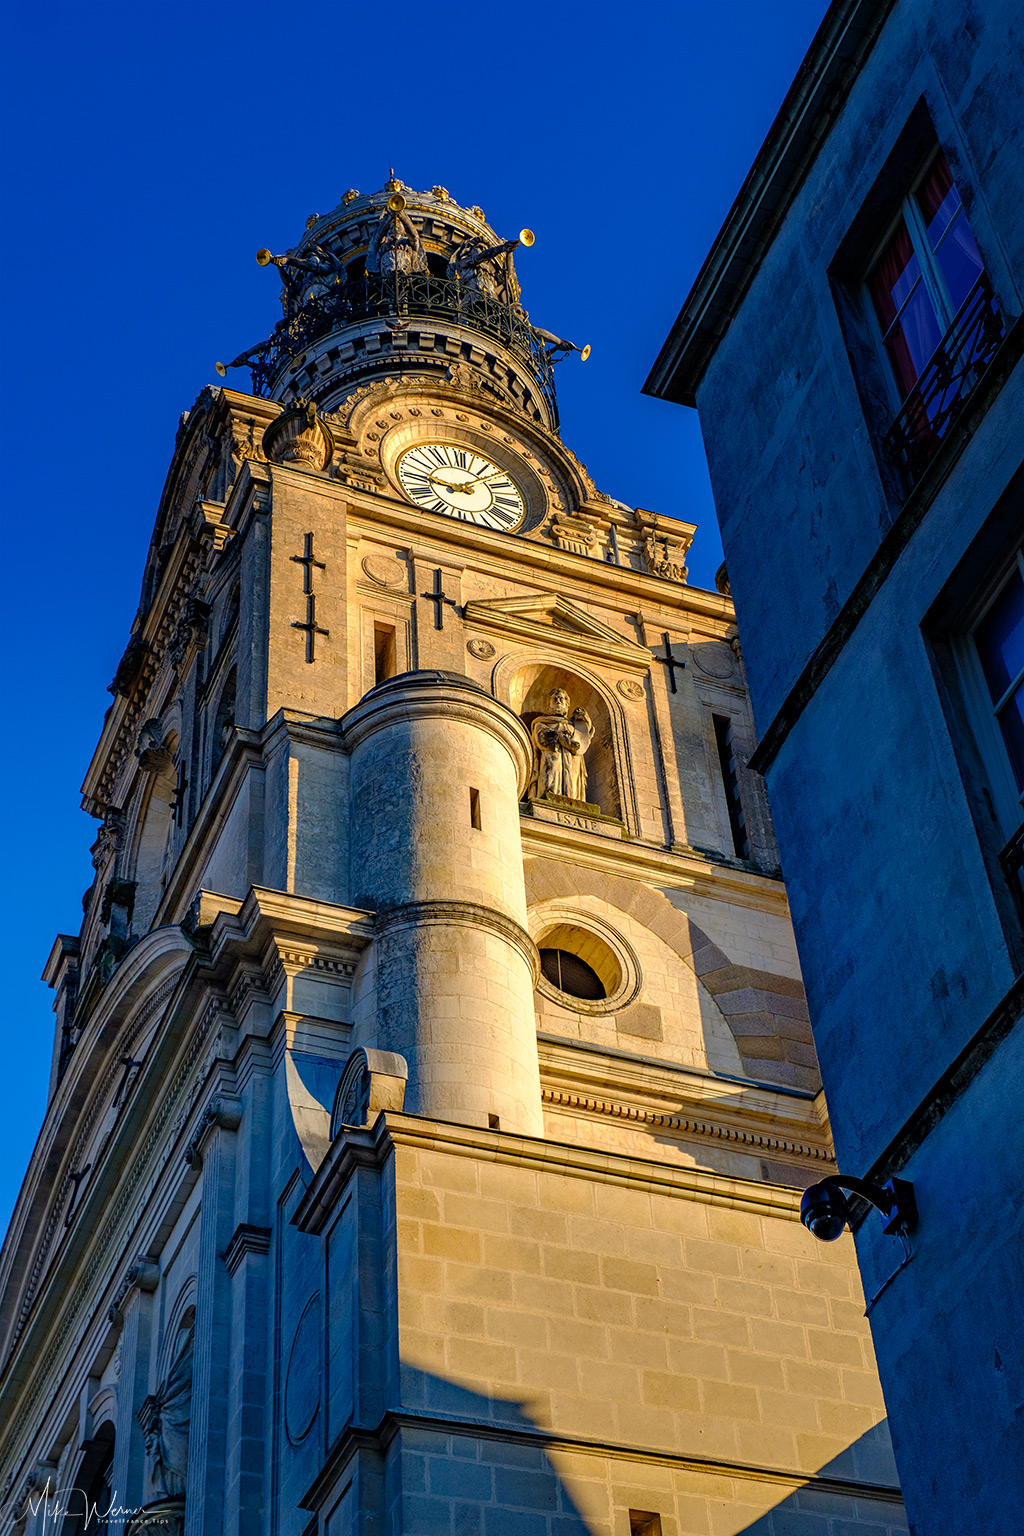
[[449, 485]]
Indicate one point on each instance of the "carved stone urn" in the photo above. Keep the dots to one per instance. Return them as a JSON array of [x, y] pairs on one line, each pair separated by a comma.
[[162, 1517], [299, 436]]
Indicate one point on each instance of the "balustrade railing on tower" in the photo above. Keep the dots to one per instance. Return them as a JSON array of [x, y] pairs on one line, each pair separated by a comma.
[[398, 299]]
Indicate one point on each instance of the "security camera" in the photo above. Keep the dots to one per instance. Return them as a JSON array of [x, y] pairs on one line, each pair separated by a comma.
[[825, 1210]]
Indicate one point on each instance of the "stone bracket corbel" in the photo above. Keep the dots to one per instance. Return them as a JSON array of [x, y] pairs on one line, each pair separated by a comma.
[[142, 1275], [223, 1113]]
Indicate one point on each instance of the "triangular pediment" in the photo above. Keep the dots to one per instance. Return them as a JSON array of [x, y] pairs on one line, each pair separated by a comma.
[[545, 617]]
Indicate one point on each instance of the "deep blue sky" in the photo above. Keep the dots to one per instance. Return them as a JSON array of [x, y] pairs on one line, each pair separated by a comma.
[[151, 148]]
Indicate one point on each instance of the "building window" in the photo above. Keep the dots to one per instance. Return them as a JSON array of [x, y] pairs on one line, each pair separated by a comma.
[[570, 974], [938, 320], [384, 653], [731, 783], [995, 683]]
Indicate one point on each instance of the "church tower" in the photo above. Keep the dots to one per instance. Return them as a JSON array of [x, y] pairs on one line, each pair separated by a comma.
[[432, 1087]]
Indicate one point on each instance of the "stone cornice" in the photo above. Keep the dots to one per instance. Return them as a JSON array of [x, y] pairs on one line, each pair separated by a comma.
[[587, 579], [750, 1140], [246, 927], [679, 869], [373, 1147], [416, 914], [395, 1420]]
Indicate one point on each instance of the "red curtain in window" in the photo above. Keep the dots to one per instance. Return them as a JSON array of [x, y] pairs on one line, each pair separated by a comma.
[[932, 194], [888, 287]]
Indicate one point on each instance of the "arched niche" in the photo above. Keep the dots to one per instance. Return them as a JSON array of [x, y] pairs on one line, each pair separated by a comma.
[[529, 689], [223, 720], [93, 1486], [151, 864]]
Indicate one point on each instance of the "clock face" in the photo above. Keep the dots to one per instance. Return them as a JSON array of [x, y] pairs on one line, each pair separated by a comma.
[[444, 477]]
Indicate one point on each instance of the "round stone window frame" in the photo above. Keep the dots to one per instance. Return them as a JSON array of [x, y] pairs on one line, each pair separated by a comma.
[[555, 922]]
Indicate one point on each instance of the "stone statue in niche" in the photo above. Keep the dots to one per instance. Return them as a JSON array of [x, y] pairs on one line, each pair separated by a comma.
[[560, 742], [165, 1419]]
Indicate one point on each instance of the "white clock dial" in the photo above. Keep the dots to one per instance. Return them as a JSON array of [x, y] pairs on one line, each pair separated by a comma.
[[444, 477]]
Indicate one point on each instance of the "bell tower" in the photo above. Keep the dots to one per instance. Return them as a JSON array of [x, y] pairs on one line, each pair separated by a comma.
[[432, 1086]]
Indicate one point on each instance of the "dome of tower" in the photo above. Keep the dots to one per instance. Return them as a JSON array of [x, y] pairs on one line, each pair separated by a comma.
[[399, 282]]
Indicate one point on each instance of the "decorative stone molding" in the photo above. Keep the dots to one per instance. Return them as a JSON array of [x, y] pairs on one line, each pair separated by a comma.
[[154, 757], [573, 534], [483, 650], [449, 695], [385, 571], [415, 914], [246, 1239], [192, 632], [109, 839], [715, 658], [372, 1081], [299, 436], [631, 689], [142, 1275], [757, 1141], [223, 1113], [665, 544], [130, 666]]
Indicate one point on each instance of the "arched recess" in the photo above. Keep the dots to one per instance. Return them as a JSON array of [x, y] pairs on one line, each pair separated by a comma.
[[169, 1409], [93, 1490], [151, 859], [766, 1013], [223, 720], [524, 682]]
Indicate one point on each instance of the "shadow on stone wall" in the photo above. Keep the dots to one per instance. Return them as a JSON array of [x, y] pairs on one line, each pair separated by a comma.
[[480, 1466], [473, 1464], [811, 1511]]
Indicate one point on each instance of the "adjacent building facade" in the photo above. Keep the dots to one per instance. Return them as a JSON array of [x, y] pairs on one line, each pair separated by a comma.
[[432, 1088], [853, 345]]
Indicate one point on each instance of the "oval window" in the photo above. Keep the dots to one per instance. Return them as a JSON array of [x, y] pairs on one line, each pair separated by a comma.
[[571, 975]]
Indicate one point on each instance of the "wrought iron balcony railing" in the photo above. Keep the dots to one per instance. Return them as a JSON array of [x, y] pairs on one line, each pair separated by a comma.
[[399, 300], [1012, 860], [946, 383]]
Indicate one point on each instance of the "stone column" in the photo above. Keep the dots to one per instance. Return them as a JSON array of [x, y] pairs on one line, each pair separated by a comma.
[[438, 767], [134, 1311]]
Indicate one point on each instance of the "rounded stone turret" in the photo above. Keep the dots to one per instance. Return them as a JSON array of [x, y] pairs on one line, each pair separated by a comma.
[[401, 282], [437, 770]]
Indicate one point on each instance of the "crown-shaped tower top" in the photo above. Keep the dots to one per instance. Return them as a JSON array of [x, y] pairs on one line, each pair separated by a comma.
[[403, 282]]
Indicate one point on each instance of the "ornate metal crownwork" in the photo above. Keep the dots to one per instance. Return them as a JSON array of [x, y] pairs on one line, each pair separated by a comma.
[[397, 299]]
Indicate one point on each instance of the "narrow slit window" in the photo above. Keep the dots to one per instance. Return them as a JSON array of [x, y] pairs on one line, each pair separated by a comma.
[[474, 808], [644, 1522], [731, 783], [384, 650], [493, 1123]]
